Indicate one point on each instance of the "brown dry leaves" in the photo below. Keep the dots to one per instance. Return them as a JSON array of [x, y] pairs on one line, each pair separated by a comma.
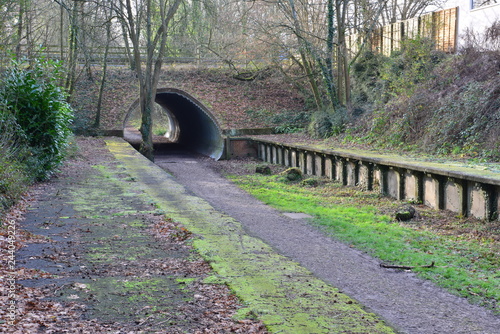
[[227, 98], [211, 309]]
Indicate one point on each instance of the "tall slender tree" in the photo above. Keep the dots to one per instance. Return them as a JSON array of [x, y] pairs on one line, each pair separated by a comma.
[[148, 22], [107, 11]]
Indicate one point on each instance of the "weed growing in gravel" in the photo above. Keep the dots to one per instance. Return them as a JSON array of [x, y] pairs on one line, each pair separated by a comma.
[[465, 266]]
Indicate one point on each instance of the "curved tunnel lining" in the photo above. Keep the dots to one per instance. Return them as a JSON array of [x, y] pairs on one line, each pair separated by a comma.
[[198, 129]]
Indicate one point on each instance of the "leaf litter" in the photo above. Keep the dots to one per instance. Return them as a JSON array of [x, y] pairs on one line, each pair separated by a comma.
[[67, 299]]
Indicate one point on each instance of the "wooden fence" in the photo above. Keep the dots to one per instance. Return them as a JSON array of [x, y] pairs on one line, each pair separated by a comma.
[[116, 55], [440, 27]]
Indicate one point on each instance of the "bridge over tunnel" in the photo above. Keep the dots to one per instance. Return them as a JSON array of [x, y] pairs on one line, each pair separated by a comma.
[[181, 119]]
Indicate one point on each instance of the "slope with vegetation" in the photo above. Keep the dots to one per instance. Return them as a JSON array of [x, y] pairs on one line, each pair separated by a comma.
[[430, 102], [232, 101]]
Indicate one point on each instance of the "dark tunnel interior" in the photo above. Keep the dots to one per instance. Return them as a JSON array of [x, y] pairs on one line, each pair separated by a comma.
[[196, 129]]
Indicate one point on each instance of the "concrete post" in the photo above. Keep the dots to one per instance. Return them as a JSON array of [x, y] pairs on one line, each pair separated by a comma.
[[329, 163], [341, 170], [302, 163], [294, 158], [286, 157], [365, 175], [319, 164], [383, 179], [350, 168], [454, 196], [480, 200], [432, 191], [496, 204], [309, 157], [393, 183]]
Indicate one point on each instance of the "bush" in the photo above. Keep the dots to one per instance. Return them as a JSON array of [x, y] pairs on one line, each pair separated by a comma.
[[405, 69], [367, 84], [39, 106], [466, 120], [34, 128], [13, 172], [327, 123], [292, 174], [422, 100], [287, 121]]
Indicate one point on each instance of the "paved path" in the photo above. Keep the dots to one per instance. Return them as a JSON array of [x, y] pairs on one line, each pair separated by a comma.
[[409, 304], [287, 297]]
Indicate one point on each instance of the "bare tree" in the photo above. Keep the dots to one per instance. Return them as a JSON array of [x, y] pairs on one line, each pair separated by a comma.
[[148, 23], [24, 26], [107, 11], [398, 10]]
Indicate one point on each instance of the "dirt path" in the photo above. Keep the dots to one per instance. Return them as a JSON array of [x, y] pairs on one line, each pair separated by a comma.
[[409, 304]]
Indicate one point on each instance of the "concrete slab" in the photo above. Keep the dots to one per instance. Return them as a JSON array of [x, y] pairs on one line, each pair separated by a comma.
[[297, 215]]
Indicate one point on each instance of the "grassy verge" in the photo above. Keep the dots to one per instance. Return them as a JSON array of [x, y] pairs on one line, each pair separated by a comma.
[[465, 252]]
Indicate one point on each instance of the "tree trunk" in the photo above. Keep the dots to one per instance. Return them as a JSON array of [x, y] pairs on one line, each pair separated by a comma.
[[61, 37], [342, 56], [328, 72], [306, 64], [125, 35], [20, 27], [146, 129], [72, 48], [149, 76], [97, 121]]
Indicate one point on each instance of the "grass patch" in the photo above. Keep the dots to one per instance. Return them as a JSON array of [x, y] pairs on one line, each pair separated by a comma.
[[466, 266]]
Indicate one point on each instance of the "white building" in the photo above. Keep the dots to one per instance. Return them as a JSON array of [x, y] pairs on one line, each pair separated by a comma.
[[476, 15]]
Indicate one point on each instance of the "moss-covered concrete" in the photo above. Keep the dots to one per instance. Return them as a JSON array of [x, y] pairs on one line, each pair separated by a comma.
[[118, 255], [283, 294], [479, 172]]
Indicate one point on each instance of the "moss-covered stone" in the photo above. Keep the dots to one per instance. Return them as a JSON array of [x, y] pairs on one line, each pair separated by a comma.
[[292, 174]]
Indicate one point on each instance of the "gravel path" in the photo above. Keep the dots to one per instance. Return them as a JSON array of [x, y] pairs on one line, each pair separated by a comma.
[[409, 304]]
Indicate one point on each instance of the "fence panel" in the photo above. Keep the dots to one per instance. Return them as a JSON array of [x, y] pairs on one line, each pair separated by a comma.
[[445, 24], [440, 26]]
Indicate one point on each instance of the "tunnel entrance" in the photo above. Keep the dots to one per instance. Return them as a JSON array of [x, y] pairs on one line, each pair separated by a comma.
[[186, 121]]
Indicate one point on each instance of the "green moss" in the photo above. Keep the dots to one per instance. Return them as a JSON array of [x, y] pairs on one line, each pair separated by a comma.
[[214, 279], [186, 280], [244, 313]]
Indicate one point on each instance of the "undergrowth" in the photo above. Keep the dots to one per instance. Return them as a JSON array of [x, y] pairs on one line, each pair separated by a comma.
[[425, 101], [34, 127], [464, 265], [288, 121]]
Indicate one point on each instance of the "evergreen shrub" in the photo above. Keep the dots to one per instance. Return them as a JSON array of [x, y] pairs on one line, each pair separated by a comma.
[[31, 94], [35, 124]]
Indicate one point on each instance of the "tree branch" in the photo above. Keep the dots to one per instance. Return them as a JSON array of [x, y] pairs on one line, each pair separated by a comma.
[[383, 265]]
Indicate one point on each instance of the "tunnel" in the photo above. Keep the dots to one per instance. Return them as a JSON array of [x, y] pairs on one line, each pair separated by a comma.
[[191, 124]]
